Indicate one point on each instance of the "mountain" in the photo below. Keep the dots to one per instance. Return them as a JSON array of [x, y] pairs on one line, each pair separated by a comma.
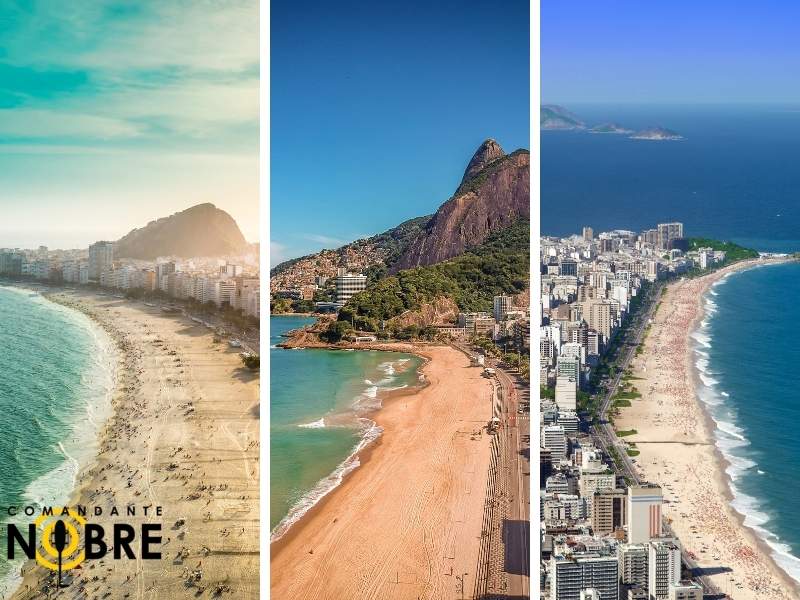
[[494, 194], [371, 255], [656, 133], [202, 230], [552, 116]]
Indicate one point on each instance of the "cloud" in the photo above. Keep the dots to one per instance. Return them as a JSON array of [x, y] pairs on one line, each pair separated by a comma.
[[324, 239], [277, 253], [42, 123]]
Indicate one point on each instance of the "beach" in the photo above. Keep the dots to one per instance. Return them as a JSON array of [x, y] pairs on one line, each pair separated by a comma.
[[674, 435], [407, 522], [183, 434]]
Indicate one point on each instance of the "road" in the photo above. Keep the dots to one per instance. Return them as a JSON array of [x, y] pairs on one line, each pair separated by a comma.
[[516, 471], [606, 436]]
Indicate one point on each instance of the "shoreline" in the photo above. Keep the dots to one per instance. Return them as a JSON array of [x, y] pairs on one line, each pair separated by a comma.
[[369, 439], [167, 366], [676, 435], [724, 478], [406, 515], [84, 460]]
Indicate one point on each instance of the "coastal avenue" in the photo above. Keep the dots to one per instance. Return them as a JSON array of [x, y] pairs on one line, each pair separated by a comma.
[[506, 568], [606, 436], [516, 460]]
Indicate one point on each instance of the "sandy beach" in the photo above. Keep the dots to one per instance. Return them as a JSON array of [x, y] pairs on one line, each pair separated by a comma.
[[407, 522], [675, 438], [183, 435]]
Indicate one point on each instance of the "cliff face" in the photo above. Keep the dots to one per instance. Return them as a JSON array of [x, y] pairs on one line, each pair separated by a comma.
[[202, 230], [494, 194]]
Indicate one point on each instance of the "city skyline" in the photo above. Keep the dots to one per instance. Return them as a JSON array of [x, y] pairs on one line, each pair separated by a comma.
[[103, 107], [376, 110]]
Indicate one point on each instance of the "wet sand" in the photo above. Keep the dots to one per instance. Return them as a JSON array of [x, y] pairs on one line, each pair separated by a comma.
[[675, 438], [183, 435], [407, 522]]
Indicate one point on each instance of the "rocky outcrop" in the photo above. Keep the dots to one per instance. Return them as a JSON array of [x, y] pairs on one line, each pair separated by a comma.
[[486, 153], [440, 312], [202, 230], [493, 197]]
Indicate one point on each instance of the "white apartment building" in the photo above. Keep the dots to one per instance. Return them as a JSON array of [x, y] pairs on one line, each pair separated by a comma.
[[101, 258], [644, 513], [583, 571], [348, 285], [664, 568], [501, 306], [554, 439]]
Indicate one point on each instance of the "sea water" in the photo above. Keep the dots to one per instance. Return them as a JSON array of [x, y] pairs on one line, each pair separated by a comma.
[[56, 380], [320, 402], [747, 357]]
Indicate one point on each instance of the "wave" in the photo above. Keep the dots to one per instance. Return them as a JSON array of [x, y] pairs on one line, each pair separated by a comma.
[[318, 424], [370, 432], [731, 441]]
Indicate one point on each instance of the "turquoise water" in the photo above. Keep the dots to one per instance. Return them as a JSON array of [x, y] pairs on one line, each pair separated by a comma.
[[746, 353], [56, 376], [318, 399]]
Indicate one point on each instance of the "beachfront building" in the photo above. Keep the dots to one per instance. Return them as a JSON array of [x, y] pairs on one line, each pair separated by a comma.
[[664, 568], [633, 569], [686, 590], [644, 513], [573, 573], [101, 258], [348, 285]]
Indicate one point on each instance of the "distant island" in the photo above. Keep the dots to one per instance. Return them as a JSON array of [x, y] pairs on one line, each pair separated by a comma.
[[610, 128], [553, 117], [656, 133]]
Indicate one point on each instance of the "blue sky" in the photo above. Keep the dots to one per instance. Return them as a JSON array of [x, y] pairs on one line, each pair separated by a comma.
[[116, 113], [378, 106], [670, 52]]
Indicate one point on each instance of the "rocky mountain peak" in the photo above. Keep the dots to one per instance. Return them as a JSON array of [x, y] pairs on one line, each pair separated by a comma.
[[488, 151]]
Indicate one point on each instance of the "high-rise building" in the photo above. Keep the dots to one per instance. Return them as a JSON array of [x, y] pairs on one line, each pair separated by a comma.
[[554, 439], [101, 258], [664, 568], [644, 513], [583, 571], [668, 232], [501, 306], [609, 510], [597, 314], [566, 393], [348, 285], [633, 569], [568, 267], [588, 234]]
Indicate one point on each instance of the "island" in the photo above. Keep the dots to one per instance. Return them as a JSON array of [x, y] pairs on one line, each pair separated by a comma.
[[610, 128], [657, 134]]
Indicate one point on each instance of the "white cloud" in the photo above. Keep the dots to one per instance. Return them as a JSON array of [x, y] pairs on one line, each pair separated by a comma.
[[43, 123], [277, 253], [324, 239]]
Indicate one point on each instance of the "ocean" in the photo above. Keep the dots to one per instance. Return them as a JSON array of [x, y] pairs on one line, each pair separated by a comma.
[[318, 402], [746, 354], [733, 178], [56, 380]]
